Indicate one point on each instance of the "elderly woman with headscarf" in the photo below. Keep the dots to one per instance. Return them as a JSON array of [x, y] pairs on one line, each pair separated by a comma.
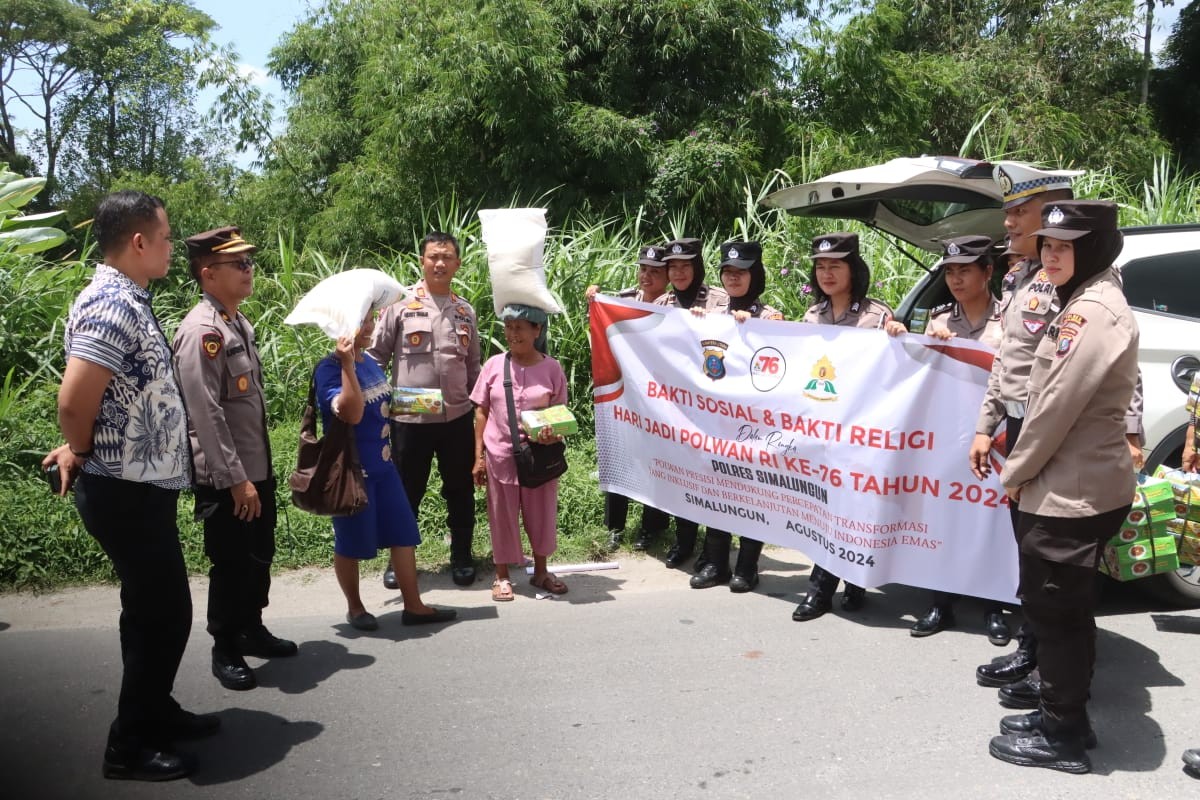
[[538, 381], [1072, 474]]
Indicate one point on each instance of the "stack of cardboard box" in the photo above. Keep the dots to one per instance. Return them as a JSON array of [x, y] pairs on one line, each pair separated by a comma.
[[1144, 546]]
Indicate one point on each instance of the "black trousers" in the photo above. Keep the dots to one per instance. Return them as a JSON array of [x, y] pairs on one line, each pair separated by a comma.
[[1059, 557], [616, 514], [239, 579], [825, 581], [135, 525], [414, 445]]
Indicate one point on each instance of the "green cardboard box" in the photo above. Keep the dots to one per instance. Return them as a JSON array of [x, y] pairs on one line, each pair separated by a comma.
[[559, 418], [1142, 558], [408, 400]]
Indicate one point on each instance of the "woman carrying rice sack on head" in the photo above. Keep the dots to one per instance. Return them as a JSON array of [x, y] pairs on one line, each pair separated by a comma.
[[1071, 473], [975, 315], [355, 390], [685, 269], [744, 278], [840, 282], [538, 382]]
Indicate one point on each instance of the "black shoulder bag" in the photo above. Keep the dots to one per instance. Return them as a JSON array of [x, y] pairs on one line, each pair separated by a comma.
[[536, 463]]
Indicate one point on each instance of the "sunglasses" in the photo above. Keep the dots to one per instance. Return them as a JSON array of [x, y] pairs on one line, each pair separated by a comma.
[[244, 264]]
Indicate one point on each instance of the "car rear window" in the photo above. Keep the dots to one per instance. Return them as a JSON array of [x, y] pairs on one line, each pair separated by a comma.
[[1168, 283]]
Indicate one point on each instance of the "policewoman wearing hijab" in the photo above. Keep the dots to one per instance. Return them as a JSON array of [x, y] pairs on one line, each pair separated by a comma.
[[974, 314], [685, 270], [1072, 473], [840, 282], [744, 278], [652, 284]]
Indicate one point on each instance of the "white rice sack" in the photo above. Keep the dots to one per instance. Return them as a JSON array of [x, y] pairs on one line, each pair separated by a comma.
[[338, 304], [515, 240]]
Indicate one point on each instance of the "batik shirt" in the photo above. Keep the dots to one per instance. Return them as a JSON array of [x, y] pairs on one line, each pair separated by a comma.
[[140, 432]]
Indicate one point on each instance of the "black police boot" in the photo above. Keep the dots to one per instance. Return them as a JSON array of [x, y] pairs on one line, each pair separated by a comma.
[[715, 558], [997, 629], [937, 619], [389, 577], [1191, 761], [1040, 749], [261, 643], [745, 571], [816, 603], [853, 597], [681, 551], [462, 566], [1025, 724], [614, 540], [131, 759], [644, 539], [231, 669], [1025, 693], [1012, 668]]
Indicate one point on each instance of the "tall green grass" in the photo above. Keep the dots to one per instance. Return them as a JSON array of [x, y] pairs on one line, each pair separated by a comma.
[[41, 540]]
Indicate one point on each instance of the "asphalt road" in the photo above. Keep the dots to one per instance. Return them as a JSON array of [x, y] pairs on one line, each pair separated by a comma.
[[630, 686]]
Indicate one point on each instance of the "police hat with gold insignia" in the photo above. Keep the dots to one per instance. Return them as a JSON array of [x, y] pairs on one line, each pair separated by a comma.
[[1019, 182], [965, 250], [682, 248], [742, 255], [221, 240], [835, 245], [652, 255], [1072, 219]]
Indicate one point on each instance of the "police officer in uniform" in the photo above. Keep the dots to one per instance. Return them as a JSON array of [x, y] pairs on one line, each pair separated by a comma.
[[685, 269], [745, 279], [974, 314], [840, 282], [221, 379], [1028, 304], [1071, 470], [431, 341]]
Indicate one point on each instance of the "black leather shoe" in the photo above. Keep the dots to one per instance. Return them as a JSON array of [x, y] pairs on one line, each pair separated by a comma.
[[1036, 750], [677, 556], [1008, 670], [1191, 761], [463, 574], [642, 542], [740, 584], [186, 725], [710, 575], [146, 764], [1025, 693], [997, 629], [614, 540], [1025, 724], [936, 620], [261, 643], [812, 606], [853, 597], [232, 671], [438, 615], [389, 578]]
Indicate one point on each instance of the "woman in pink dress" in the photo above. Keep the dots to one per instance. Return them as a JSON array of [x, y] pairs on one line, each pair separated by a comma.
[[538, 382]]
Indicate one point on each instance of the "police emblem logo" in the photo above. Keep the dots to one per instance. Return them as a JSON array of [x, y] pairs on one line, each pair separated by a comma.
[[1006, 182], [677, 249], [1034, 326], [733, 253], [414, 339], [1064, 346], [953, 249], [714, 358], [651, 254], [825, 245], [820, 387], [243, 383], [211, 344], [1055, 217]]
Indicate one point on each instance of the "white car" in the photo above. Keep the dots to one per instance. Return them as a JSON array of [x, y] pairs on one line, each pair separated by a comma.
[[925, 200]]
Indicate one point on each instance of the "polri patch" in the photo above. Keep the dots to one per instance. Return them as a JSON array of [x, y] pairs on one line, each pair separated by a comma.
[[243, 382], [211, 344], [1034, 325]]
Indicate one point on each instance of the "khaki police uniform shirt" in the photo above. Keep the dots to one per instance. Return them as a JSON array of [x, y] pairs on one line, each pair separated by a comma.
[[709, 298], [634, 293], [865, 313], [950, 317], [220, 376], [1071, 459], [759, 311], [430, 345]]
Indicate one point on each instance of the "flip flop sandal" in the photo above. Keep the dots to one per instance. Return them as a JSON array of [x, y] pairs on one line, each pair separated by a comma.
[[549, 583], [502, 590]]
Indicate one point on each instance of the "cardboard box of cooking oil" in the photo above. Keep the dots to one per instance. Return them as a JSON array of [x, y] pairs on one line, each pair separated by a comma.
[[1188, 546], [1153, 501], [1186, 486], [1127, 562], [409, 400], [559, 418]]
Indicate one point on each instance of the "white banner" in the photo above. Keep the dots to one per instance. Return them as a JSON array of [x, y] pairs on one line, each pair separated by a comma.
[[847, 444]]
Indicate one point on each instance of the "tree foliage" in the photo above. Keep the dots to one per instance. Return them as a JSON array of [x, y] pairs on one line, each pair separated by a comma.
[[1176, 92]]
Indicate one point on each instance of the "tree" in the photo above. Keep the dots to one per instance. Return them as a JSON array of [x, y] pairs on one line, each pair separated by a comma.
[[1176, 97]]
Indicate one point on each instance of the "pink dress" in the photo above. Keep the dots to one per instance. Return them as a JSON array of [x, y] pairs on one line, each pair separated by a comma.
[[538, 386]]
